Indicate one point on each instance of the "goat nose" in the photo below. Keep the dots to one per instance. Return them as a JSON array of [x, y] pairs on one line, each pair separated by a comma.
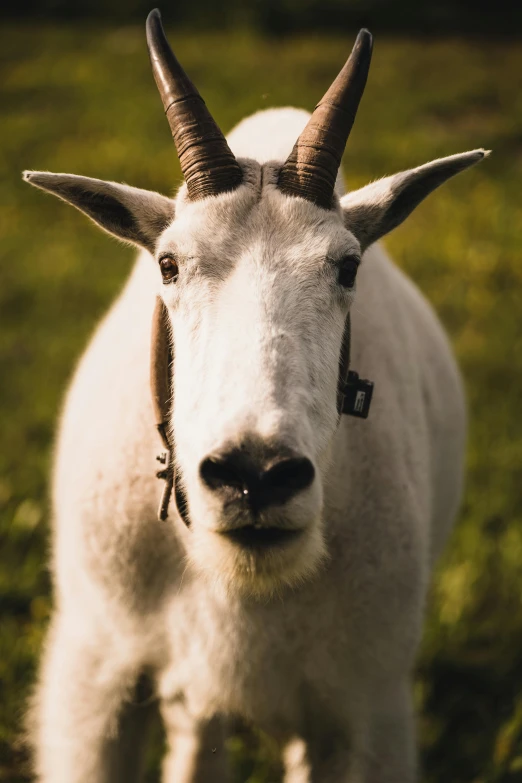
[[264, 479]]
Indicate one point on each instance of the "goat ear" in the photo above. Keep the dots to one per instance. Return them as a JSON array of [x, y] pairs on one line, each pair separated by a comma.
[[133, 215], [376, 209]]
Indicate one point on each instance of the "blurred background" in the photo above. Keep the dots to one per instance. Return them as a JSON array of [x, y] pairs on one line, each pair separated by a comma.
[[76, 94]]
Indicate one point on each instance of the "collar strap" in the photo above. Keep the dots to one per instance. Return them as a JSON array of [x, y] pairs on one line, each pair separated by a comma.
[[344, 363], [161, 357], [354, 396]]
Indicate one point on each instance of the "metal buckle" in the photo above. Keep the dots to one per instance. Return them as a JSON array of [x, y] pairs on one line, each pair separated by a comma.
[[167, 474]]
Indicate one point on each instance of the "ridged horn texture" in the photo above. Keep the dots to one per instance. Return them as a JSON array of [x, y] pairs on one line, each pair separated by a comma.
[[311, 168], [207, 163]]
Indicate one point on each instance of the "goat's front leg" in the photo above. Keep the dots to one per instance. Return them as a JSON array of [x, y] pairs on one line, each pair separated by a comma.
[[378, 746], [79, 729], [197, 752], [314, 761], [390, 756]]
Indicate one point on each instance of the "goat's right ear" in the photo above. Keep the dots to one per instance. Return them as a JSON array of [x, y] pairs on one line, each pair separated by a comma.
[[131, 214]]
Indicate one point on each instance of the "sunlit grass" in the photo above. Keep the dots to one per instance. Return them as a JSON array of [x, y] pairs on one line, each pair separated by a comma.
[[83, 100]]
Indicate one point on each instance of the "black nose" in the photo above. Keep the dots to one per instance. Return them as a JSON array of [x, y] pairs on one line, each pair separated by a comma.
[[263, 476]]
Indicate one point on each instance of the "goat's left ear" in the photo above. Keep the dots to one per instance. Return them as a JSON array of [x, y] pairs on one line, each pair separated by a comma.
[[376, 209], [131, 214]]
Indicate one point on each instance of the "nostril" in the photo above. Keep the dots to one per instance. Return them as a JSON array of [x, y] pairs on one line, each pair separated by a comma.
[[286, 478], [219, 473]]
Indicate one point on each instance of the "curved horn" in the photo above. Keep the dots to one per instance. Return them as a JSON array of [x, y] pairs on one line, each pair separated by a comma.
[[311, 169], [207, 163]]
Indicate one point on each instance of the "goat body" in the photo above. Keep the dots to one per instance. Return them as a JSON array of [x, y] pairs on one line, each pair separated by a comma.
[[313, 641]]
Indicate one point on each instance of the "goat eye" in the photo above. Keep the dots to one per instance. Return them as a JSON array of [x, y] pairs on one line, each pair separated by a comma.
[[169, 268], [348, 270]]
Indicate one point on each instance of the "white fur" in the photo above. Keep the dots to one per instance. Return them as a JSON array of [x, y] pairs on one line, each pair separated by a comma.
[[316, 642]]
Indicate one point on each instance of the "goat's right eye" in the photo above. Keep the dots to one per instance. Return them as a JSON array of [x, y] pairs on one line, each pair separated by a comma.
[[169, 268]]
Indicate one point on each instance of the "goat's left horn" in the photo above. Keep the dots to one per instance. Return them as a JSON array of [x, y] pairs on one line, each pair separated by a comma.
[[311, 169], [207, 163]]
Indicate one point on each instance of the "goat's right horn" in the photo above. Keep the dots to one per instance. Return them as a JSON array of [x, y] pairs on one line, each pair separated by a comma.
[[311, 168], [207, 163]]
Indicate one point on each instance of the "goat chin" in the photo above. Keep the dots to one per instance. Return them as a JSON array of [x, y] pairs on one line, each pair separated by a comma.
[[258, 573]]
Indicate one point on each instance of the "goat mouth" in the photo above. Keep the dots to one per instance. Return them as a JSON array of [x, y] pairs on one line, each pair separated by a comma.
[[252, 537]]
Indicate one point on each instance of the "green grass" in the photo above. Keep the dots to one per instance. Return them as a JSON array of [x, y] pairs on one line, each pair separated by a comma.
[[82, 99]]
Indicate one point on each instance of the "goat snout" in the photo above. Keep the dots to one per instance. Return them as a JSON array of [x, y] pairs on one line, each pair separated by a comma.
[[261, 476]]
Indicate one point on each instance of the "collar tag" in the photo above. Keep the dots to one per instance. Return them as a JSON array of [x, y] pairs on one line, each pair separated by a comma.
[[357, 396]]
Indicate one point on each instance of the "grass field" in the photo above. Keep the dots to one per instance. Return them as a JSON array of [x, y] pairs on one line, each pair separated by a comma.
[[82, 99]]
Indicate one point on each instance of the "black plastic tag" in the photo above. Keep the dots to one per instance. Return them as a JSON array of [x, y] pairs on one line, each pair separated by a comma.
[[357, 396]]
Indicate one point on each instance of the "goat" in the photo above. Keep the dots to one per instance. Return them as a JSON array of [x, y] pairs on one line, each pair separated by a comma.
[[286, 582]]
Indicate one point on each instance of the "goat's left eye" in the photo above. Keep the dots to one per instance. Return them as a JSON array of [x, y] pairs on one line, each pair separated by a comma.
[[169, 268], [348, 270]]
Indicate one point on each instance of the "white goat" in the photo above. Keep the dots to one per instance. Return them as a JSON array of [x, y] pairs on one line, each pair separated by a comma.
[[289, 586]]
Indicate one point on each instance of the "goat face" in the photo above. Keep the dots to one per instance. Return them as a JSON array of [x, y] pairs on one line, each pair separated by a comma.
[[258, 265], [258, 314]]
